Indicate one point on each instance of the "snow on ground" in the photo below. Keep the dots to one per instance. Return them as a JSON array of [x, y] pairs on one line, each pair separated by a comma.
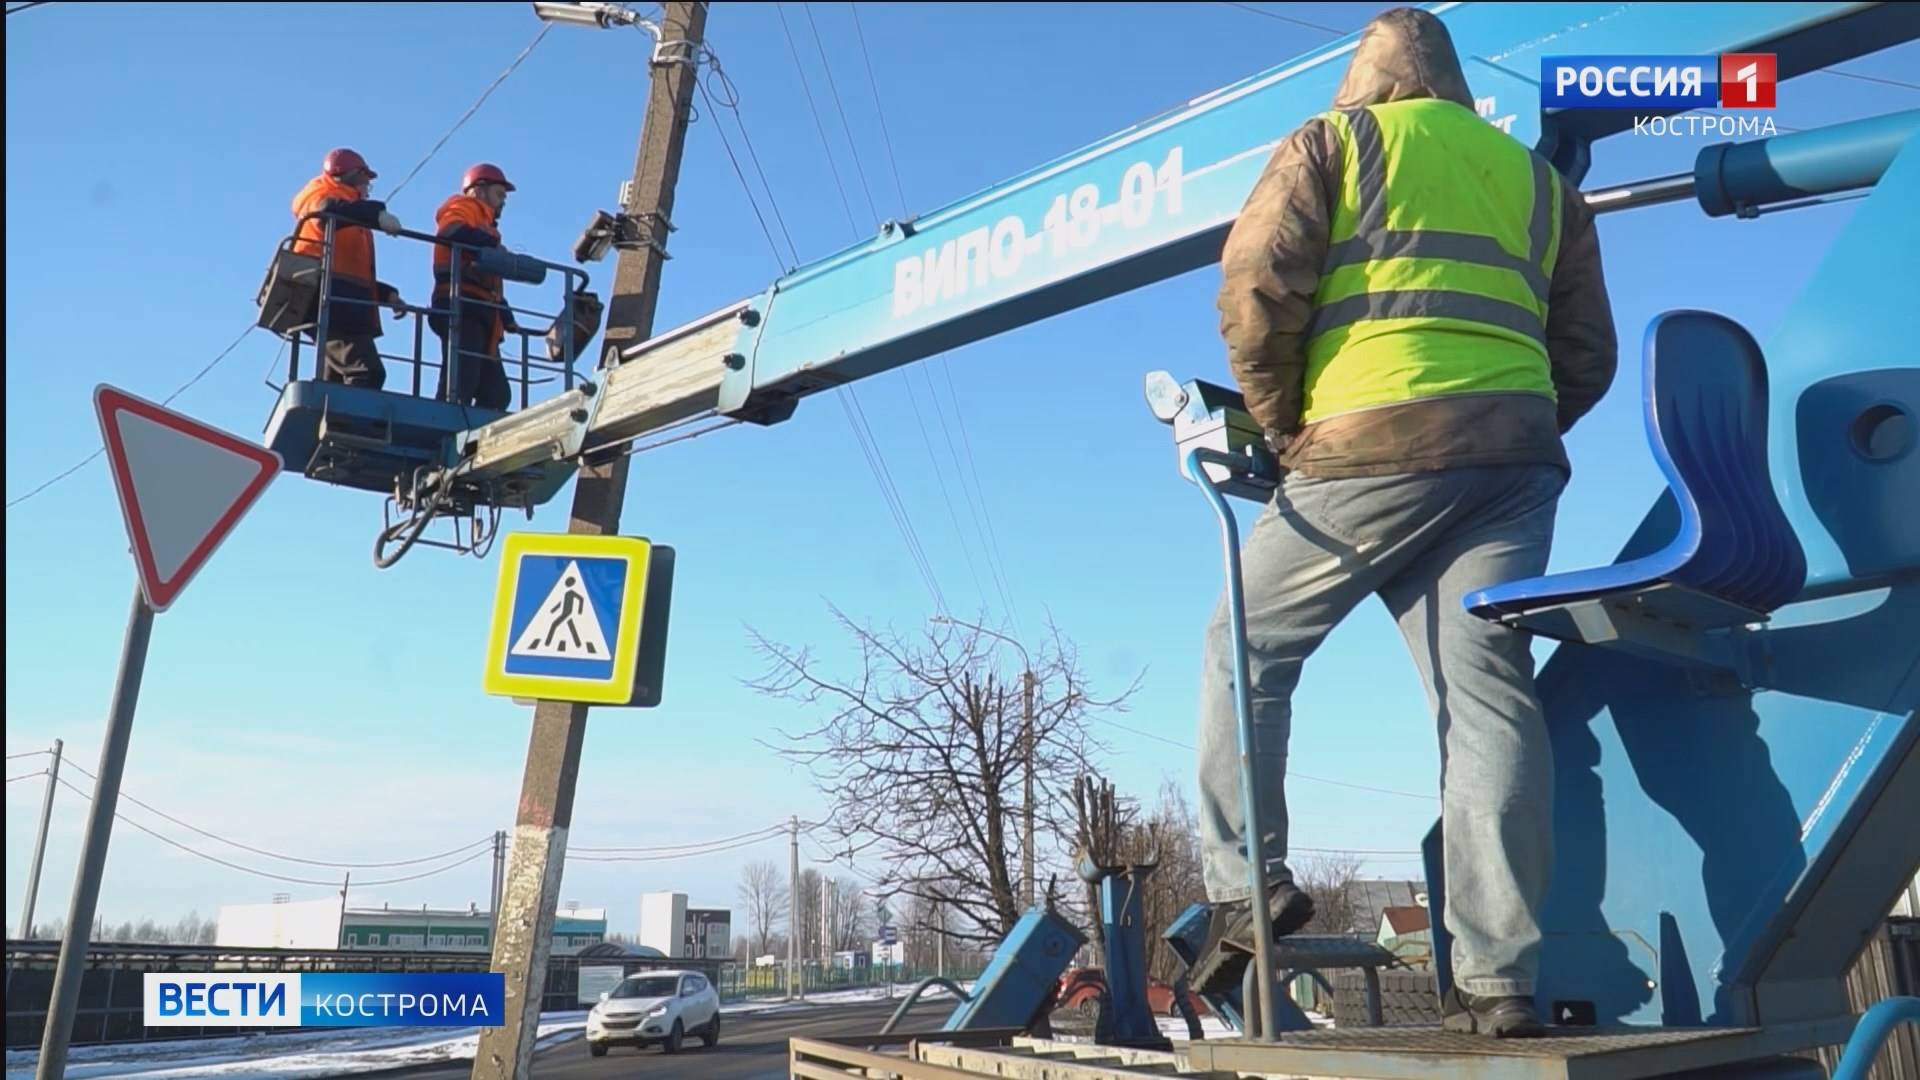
[[308, 1055], [1211, 1027], [838, 997], [304, 1055]]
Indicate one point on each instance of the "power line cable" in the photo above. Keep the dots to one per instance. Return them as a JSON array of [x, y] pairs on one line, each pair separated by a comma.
[[1291, 775], [267, 873], [866, 55], [737, 171], [750, 842], [862, 433], [856, 415], [27, 754], [946, 495], [834, 89], [989, 550], [474, 108], [647, 848], [889, 496], [168, 400], [1836, 72], [732, 104], [288, 858], [26, 776], [814, 107], [215, 362], [27, 6], [976, 506], [1284, 18]]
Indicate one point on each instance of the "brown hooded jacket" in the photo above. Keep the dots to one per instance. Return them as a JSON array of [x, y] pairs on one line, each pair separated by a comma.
[[1271, 269]]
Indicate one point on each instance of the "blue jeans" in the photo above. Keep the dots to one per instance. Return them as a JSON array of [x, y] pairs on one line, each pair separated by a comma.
[[1420, 541]]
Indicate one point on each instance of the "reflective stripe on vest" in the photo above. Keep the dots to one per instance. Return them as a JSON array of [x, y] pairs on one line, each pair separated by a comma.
[[1439, 305]]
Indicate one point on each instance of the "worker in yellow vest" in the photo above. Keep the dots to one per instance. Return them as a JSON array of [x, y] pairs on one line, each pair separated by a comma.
[[1414, 308]]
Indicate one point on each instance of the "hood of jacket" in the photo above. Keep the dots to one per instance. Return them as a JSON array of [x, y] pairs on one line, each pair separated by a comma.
[[1403, 53]]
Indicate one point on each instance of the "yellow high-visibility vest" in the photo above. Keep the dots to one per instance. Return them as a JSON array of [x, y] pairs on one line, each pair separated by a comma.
[[1438, 262]]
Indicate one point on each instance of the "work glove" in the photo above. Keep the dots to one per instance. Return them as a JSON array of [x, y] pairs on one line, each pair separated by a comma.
[[389, 224]]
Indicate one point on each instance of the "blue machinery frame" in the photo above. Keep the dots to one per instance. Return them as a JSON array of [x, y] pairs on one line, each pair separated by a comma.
[[1731, 821], [1733, 714]]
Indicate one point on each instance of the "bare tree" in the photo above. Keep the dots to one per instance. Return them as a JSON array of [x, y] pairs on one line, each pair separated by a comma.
[[188, 930], [921, 756], [1329, 880], [1176, 884], [849, 917], [809, 931], [921, 927], [764, 894]]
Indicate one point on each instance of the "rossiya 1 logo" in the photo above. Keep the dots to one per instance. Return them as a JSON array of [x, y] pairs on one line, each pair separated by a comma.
[[1658, 87]]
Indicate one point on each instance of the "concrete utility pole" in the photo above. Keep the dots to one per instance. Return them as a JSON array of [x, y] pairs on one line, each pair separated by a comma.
[[499, 878], [796, 986], [1026, 738], [40, 846], [345, 882], [1026, 729], [526, 916]]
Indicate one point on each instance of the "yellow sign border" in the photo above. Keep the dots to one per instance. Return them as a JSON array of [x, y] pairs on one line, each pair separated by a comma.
[[616, 690]]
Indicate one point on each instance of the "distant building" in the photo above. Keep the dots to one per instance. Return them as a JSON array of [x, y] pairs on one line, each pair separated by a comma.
[[1407, 932], [321, 924], [1370, 899], [681, 932]]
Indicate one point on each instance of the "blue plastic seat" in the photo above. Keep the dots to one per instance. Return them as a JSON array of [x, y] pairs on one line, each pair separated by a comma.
[[1734, 557]]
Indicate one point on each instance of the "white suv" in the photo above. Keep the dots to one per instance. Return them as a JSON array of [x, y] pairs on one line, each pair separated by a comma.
[[655, 1007]]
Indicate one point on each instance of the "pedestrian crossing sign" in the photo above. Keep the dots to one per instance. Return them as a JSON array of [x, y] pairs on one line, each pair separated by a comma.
[[580, 618]]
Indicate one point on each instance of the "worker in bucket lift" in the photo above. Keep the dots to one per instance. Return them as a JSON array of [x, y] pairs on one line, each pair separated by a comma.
[[349, 355], [1413, 305], [472, 218]]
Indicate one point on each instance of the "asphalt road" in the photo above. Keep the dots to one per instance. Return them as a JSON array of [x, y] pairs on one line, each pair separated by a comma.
[[753, 1046]]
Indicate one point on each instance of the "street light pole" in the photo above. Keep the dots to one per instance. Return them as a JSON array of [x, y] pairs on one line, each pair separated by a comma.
[[1026, 727], [529, 893], [1026, 739]]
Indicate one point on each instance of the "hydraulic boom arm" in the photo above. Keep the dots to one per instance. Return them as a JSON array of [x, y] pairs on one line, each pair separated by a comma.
[[1147, 203]]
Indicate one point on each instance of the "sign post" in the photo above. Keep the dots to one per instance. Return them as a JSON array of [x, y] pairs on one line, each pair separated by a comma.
[[183, 486]]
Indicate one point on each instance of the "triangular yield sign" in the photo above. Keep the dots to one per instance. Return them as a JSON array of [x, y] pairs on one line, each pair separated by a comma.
[[183, 487]]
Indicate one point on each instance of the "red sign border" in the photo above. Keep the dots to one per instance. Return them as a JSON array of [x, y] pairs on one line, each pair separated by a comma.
[[109, 401]]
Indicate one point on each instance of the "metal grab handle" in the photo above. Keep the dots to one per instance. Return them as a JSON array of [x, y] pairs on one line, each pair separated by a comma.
[[1872, 1032], [1197, 459], [914, 995]]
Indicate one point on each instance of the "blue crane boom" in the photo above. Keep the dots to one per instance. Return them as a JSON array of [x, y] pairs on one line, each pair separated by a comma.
[[1139, 206]]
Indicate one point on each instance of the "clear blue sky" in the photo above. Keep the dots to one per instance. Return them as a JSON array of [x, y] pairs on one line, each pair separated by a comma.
[[303, 702]]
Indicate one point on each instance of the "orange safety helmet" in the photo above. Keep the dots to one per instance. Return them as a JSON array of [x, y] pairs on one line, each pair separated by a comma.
[[484, 173], [344, 162]]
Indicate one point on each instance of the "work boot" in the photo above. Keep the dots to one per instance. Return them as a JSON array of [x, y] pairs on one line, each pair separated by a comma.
[[1223, 959], [1500, 1017]]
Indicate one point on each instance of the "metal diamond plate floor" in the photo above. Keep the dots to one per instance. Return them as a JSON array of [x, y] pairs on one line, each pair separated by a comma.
[[1421, 1053]]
